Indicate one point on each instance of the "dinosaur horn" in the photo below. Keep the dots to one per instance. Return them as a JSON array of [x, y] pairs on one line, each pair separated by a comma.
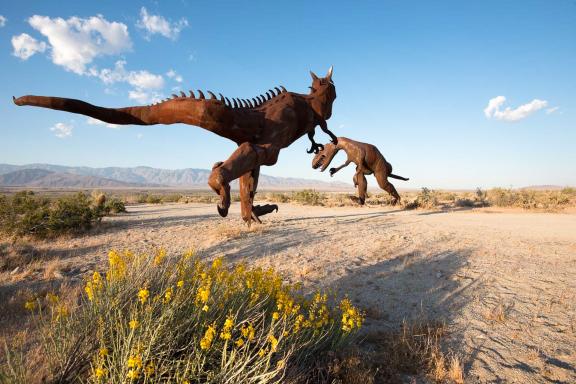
[[201, 95], [212, 96], [259, 100], [278, 90], [250, 103], [272, 92], [314, 77], [221, 97], [263, 98], [244, 103], [192, 95], [329, 75], [235, 104], [174, 96], [283, 89], [228, 103], [268, 95], [182, 94]]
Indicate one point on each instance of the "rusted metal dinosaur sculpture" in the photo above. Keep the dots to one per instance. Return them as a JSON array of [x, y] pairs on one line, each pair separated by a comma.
[[261, 127], [368, 160]]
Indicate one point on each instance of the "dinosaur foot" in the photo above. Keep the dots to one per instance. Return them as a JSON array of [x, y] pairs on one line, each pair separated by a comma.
[[357, 200], [224, 203], [260, 210]]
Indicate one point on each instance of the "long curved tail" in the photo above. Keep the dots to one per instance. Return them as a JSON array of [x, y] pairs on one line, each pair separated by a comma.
[[398, 177], [209, 114], [131, 115]]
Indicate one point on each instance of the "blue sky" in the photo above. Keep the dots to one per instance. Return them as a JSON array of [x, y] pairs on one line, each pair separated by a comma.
[[415, 78]]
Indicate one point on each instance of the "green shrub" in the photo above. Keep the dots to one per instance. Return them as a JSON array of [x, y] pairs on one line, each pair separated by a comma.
[[26, 214], [115, 206], [180, 320], [308, 197]]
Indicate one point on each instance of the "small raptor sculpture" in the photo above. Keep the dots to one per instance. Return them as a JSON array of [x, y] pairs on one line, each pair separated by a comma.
[[261, 127], [368, 160]]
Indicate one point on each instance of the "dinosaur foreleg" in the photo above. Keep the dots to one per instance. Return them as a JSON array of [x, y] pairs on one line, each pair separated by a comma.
[[315, 147], [325, 129], [382, 178], [334, 170], [244, 159]]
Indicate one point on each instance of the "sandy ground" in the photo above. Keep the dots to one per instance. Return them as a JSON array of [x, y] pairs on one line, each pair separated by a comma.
[[504, 282]]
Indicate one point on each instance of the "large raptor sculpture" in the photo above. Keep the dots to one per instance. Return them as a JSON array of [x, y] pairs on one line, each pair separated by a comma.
[[368, 160], [261, 127]]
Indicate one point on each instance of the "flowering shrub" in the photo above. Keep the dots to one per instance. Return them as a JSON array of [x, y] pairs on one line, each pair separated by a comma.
[[160, 319]]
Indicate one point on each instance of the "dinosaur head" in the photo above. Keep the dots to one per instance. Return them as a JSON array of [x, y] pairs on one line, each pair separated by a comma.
[[324, 157], [323, 94]]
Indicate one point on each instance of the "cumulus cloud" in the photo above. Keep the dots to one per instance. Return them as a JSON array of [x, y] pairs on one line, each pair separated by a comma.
[[62, 130], [552, 110], [173, 75], [93, 121], [2, 21], [138, 79], [494, 109], [26, 46], [156, 24], [144, 97], [76, 42]]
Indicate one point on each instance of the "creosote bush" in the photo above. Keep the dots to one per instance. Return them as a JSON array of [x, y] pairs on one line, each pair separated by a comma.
[[26, 214], [308, 197], [181, 320]]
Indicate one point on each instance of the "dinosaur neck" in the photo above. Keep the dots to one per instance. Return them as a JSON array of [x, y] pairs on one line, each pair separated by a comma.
[[320, 104]]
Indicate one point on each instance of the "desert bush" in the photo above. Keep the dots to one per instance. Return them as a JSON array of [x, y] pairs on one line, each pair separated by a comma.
[[181, 320], [277, 197], [26, 214], [308, 197], [426, 198], [115, 206], [464, 202], [171, 198]]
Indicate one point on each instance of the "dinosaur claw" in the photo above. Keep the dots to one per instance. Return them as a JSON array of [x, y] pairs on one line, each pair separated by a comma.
[[222, 211]]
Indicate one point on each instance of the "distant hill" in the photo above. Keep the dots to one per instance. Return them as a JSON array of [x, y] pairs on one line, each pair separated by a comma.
[[48, 179], [48, 175]]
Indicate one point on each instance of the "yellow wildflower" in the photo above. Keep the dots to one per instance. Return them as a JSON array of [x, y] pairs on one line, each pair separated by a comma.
[[168, 295], [351, 317], [103, 352], [275, 315], [61, 311], [240, 342], [160, 256], [180, 283], [143, 295], [52, 298], [206, 341], [134, 362], [273, 343], [133, 374], [205, 308], [228, 324], [30, 305], [100, 372], [217, 263], [149, 370], [262, 352], [203, 294], [248, 332], [133, 324]]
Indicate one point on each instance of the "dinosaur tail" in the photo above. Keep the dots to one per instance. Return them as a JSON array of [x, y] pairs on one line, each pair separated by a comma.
[[398, 177], [123, 116], [211, 114]]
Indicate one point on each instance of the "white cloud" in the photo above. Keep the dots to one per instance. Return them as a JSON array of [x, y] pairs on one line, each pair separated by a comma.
[[93, 121], [138, 79], [62, 130], [26, 46], [552, 110], [173, 75], [76, 42], [156, 24], [493, 109], [144, 97], [2, 21]]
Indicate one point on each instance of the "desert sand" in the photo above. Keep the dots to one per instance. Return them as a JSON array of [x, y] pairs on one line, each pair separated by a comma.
[[503, 281]]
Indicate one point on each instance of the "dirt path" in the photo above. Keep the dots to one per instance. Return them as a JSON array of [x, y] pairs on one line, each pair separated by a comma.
[[505, 283]]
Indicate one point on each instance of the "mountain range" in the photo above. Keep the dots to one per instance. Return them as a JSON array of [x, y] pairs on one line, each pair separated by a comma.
[[60, 176]]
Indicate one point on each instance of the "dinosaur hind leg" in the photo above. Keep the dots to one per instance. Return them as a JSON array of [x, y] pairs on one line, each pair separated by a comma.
[[360, 180], [248, 185], [245, 160], [383, 182]]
